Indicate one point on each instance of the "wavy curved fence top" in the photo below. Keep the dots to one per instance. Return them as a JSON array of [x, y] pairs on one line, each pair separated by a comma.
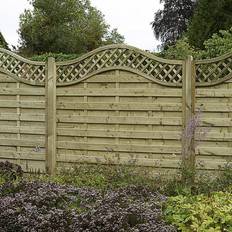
[[162, 71], [167, 72], [213, 71], [24, 70]]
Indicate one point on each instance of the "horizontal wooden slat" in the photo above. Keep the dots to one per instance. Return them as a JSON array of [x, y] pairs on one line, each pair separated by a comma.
[[22, 91], [172, 135], [23, 104], [140, 120], [119, 120], [210, 164], [23, 156], [23, 117], [213, 107], [119, 106], [174, 107], [21, 142], [214, 151], [142, 92], [216, 122], [22, 130], [118, 147], [211, 92]]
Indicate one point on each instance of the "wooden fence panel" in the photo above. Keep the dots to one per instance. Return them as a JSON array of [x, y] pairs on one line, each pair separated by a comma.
[[22, 124], [116, 104], [128, 119], [214, 138]]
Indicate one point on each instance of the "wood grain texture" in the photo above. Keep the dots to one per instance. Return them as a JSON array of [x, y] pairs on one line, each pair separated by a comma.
[[119, 121], [51, 116], [188, 136]]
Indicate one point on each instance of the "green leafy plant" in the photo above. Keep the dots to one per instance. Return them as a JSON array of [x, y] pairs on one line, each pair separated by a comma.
[[102, 176], [10, 171], [57, 56], [219, 44], [200, 213], [180, 50]]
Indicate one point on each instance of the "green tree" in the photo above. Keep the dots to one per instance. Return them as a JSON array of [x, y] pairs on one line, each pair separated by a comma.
[[210, 17], [3, 43], [61, 26], [113, 37], [180, 50], [219, 44], [170, 22]]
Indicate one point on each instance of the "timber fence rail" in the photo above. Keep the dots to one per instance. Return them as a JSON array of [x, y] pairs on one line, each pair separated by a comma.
[[117, 105]]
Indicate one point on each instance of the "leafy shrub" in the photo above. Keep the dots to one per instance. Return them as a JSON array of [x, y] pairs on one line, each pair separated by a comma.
[[180, 50], [102, 176], [57, 56], [10, 171], [201, 212], [128, 209], [204, 183], [219, 44], [105, 177], [38, 206]]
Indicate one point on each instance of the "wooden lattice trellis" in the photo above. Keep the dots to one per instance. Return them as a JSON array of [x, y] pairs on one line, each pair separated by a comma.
[[22, 69], [213, 71], [163, 71], [120, 57]]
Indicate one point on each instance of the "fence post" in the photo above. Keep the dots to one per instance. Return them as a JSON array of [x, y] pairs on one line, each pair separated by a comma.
[[50, 89], [188, 146]]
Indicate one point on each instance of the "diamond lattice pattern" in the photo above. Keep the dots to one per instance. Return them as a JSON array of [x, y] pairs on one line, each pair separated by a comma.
[[213, 72], [124, 58], [25, 71]]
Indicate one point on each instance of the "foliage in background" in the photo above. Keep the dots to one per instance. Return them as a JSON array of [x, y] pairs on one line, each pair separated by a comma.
[[3, 43], [209, 17], [57, 56], [219, 44], [172, 21], [63, 26], [200, 213], [179, 51], [113, 37]]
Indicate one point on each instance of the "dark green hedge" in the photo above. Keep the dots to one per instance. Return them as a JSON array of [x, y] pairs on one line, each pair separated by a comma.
[[57, 56]]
